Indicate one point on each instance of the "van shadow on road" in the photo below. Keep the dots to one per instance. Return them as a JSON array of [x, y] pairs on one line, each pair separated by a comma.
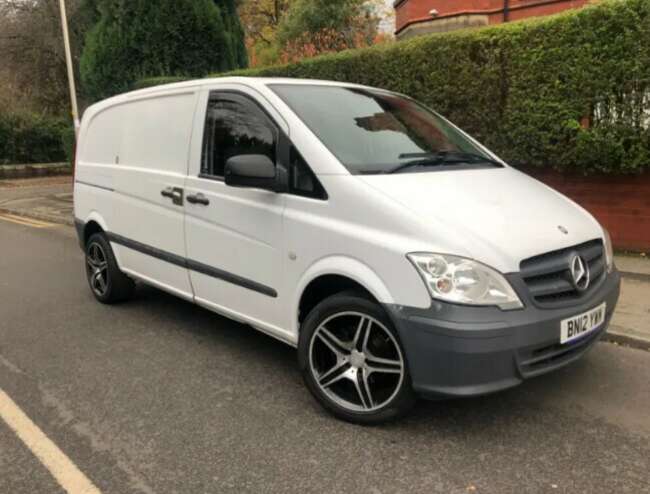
[[564, 427], [251, 345]]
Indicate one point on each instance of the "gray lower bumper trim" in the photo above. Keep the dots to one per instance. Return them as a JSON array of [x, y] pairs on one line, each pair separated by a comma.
[[455, 350]]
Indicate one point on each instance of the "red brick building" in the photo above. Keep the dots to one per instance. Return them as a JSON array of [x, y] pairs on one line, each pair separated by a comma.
[[413, 17]]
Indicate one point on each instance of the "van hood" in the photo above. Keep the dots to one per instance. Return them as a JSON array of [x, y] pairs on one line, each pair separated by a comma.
[[498, 216]]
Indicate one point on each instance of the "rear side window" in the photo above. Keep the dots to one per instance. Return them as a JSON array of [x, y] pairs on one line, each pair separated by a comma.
[[234, 125]]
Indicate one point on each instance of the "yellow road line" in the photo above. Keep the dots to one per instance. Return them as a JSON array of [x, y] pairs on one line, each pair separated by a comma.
[[22, 220], [57, 463]]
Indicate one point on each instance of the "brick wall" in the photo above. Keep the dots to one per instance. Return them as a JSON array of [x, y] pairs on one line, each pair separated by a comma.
[[521, 9], [412, 12], [621, 204]]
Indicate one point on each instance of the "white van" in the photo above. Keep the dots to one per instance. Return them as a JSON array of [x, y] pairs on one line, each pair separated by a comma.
[[400, 256]]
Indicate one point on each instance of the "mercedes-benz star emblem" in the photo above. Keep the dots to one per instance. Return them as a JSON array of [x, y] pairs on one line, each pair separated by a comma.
[[579, 273]]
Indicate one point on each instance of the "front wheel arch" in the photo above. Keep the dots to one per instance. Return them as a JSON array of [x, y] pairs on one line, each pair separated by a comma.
[[325, 286], [349, 272]]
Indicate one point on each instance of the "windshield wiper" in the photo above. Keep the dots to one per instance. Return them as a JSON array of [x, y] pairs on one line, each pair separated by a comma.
[[452, 156], [417, 163], [441, 158]]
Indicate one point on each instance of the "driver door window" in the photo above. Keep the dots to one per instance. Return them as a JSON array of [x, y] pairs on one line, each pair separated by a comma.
[[235, 126]]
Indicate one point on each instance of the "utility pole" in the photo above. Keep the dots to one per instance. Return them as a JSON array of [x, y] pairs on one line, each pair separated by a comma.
[[68, 62]]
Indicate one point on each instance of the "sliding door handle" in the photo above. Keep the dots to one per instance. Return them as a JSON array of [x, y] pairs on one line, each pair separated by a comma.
[[198, 199], [173, 193]]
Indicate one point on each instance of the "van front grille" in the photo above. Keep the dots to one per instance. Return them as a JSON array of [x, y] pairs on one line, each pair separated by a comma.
[[548, 276]]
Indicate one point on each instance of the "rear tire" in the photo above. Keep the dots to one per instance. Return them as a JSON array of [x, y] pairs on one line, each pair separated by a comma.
[[107, 283], [352, 361]]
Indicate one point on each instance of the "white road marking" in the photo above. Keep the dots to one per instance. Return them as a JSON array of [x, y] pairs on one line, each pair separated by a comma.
[[57, 463]]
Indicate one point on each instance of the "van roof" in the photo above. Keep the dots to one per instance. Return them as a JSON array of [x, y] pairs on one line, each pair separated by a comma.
[[250, 81]]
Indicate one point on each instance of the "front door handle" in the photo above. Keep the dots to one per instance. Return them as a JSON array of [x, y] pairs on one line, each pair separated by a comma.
[[173, 193], [198, 199]]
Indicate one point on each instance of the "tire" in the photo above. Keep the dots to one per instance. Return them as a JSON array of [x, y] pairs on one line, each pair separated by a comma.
[[107, 283], [352, 361]]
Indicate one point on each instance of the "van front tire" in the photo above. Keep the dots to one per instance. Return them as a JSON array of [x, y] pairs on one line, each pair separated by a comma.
[[107, 283], [352, 361]]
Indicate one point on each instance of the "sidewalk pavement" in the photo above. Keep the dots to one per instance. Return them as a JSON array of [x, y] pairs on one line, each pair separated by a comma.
[[631, 322], [50, 199], [634, 266], [47, 199], [8, 172]]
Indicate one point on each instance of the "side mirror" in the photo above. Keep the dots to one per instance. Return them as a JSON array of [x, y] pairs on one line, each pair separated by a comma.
[[255, 171]]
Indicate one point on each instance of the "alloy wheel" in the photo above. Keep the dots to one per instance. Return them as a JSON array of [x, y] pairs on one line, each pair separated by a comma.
[[97, 269], [356, 361]]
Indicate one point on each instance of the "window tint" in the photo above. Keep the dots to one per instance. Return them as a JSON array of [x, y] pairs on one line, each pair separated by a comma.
[[373, 131], [234, 125]]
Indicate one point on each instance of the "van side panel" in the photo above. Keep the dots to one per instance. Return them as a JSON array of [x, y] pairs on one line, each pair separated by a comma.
[[103, 137], [157, 133], [99, 145], [147, 227], [356, 234]]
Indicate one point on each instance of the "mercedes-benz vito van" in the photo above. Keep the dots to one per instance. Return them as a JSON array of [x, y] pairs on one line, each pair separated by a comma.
[[400, 256]]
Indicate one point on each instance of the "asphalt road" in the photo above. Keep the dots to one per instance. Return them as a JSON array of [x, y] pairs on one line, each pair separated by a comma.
[[160, 396]]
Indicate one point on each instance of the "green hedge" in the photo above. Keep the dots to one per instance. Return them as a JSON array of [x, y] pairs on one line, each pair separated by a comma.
[[28, 138], [570, 91], [157, 81], [142, 37]]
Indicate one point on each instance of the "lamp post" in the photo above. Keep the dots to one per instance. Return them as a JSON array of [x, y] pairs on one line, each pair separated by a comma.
[[68, 62]]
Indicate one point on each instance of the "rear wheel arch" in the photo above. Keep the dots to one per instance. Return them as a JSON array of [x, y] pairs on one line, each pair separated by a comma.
[[90, 229], [95, 223], [92, 223]]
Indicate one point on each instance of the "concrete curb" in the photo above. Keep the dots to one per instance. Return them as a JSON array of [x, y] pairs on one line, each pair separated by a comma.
[[633, 266], [34, 170], [635, 276], [617, 335]]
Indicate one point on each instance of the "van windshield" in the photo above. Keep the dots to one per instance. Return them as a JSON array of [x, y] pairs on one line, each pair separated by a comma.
[[373, 132]]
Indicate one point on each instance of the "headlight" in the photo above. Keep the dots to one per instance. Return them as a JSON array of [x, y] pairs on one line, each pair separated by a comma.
[[463, 281], [609, 251]]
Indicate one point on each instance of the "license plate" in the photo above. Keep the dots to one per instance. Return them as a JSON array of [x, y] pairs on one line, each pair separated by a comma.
[[578, 326]]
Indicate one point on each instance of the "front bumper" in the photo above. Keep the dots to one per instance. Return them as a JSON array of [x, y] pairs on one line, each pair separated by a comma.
[[456, 350]]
